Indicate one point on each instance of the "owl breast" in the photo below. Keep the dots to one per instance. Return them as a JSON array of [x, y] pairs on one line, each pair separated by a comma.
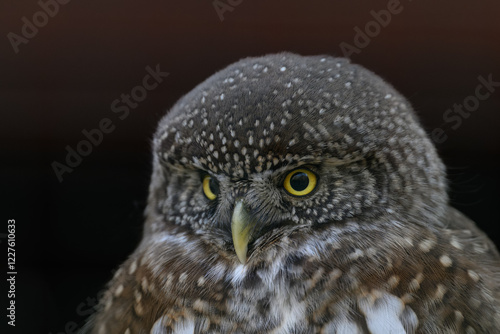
[[299, 284]]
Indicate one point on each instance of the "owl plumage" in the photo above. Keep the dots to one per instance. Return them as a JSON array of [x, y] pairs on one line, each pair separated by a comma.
[[295, 194]]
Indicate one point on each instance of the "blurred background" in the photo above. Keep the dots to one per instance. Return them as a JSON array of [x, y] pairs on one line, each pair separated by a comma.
[[67, 66]]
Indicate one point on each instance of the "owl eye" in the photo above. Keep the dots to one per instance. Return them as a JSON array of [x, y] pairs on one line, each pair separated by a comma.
[[210, 187], [300, 182]]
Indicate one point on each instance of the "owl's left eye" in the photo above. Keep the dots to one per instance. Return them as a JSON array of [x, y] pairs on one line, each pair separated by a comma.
[[300, 182], [210, 187]]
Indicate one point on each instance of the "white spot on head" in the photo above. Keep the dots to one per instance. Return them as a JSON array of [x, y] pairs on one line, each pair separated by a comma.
[[455, 243], [472, 274], [445, 261], [132, 268], [182, 277], [356, 254], [414, 285], [283, 69], [137, 296], [426, 245], [409, 241], [459, 317], [139, 310], [118, 273], [119, 290], [144, 284], [201, 281]]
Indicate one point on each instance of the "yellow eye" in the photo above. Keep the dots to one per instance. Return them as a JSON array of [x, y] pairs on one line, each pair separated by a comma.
[[300, 182], [210, 187]]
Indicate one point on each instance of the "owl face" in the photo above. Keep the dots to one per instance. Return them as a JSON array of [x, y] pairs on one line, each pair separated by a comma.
[[275, 144]]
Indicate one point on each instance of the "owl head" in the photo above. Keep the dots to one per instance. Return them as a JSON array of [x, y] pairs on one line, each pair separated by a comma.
[[273, 144]]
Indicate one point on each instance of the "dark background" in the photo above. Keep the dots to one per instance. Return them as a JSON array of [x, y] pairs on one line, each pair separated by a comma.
[[71, 235]]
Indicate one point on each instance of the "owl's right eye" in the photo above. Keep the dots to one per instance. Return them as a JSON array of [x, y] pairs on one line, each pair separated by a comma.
[[210, 187]]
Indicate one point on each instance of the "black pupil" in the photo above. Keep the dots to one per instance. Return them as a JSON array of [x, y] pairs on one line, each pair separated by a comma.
[[299, 181], [214, 186]]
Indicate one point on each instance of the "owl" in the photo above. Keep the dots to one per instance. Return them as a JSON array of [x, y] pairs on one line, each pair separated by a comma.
[[295, 194]]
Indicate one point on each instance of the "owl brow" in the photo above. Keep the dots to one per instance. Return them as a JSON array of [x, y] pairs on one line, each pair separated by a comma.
[[178, 167], [334, 162], [331, 161]]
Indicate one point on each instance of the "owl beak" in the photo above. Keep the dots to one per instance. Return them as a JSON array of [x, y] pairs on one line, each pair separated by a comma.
[[242, 224]]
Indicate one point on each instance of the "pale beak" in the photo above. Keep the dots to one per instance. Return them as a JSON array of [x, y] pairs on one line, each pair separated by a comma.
[[242, 225]]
